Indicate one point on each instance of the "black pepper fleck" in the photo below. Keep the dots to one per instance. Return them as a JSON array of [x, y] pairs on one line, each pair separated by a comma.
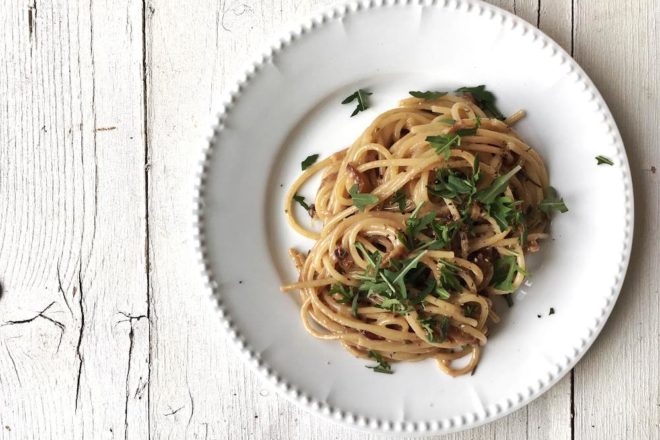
[[240, 282], [538, 316], [552, 311]]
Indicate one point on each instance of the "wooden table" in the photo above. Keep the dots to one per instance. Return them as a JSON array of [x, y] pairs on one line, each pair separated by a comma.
[[107, 329]]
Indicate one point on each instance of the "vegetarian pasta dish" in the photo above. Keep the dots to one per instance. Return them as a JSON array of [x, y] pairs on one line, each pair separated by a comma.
[[425, 221]]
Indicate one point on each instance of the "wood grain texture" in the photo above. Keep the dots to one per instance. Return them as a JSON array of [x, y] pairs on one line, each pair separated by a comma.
[[72, 197], [106, 329], [617, 384]]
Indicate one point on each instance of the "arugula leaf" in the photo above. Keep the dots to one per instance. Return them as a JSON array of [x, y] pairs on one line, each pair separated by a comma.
[[505, 270], [466, 131], [301, 201], [476, 170], [444, 233], [448, 277], [309, 161], [362, 104], [428, 96], [470, 310], [484, 99], [414, 226], [383, 366], [552, 202], [427, 325], [505, 212], [433, 325], [442, 292], [448, 185], [600, 160], [361, 200], [442, 143], [399, 198], [408, 266], [429, 287], [488, 195], [348, 296], [374, 259]]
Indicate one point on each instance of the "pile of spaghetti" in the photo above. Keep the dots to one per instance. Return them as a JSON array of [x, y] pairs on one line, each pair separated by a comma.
[[426, 219]]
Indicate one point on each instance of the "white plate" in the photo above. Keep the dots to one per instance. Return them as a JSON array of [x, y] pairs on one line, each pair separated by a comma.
[[288, 106]]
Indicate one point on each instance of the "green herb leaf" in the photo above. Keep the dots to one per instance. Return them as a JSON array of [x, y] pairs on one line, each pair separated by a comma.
[[552, 202], [436, 324], [442, 292], [505, 212], [408, 266], [361, 96], [309, 161], [488, 195], [347, 295], [449, 280], [470, 310], [414, 226], [442, 143], [602, 160], [466, 132], [399, 198], [383, 366], [374, 259], [428, 96], [505, 270], [301, 201], [448, 185], [448, 121], [484, 99], [361, 200]]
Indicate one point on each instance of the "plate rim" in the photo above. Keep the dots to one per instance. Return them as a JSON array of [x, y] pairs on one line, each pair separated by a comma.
[[281, 385]]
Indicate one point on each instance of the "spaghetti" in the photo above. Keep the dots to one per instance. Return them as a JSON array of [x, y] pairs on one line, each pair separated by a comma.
[[426, 219]]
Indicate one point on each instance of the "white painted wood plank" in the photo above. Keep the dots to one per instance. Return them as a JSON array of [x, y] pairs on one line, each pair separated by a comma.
[[72, 198], [199, 385], [617, 384]]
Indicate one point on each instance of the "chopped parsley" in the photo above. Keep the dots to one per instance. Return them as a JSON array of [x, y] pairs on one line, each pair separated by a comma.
[[383, 366], [602, 160], [484, 99], [361, 96], [301, 201], [428, 96], [552, 202], [309, 161], [448, 121], [361, 200]]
